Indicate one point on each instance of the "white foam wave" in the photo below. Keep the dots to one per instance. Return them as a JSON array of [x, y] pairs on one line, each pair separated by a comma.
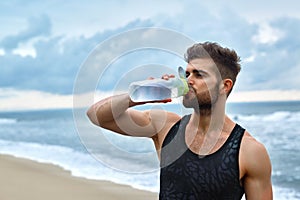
[[7, 121], [80, 164], [83, 165], [285, 194], [273, 117]]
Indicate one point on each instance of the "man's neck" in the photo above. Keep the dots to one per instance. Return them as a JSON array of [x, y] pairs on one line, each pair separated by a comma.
[[208, 120]]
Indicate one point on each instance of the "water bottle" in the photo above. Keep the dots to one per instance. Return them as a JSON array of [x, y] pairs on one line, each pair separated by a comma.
[[159, 89]]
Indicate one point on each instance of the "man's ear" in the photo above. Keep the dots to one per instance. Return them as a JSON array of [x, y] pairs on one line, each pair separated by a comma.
[[226, 86]]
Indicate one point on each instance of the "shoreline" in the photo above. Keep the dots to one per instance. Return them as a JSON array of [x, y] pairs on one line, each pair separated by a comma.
[[28, 180]]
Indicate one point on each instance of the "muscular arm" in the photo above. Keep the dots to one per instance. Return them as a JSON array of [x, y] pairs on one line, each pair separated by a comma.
[[257, 180], [115, 114]]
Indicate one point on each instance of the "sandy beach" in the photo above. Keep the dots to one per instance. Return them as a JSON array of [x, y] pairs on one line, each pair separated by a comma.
[[28, 180]]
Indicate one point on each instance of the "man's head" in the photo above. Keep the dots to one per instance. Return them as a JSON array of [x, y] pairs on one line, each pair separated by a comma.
[[226, 60]]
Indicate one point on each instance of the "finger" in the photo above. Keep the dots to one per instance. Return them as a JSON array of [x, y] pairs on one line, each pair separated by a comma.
[[166, 101], [160, 101], [167, 76]]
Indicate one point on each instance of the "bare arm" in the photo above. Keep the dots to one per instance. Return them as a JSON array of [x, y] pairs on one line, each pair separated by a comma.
[[257, 181], [114, 113]]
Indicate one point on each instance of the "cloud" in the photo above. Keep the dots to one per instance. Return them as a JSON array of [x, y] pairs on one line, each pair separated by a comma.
[[267, 34], [50, 62], [11, 99], [276, 64], [37, 26], [56, 62]]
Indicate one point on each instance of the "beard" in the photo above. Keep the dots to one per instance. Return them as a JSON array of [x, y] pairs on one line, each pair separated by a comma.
[[201, 102]]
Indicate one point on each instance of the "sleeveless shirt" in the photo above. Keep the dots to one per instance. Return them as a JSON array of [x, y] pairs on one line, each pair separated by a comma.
[[186, 175]]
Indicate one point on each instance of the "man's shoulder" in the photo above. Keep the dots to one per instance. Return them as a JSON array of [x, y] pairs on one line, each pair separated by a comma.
[[255, 168], [250, 143], [163, 122], [253, 153]]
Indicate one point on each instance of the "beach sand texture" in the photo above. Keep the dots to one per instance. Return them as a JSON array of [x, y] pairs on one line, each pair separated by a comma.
[[22, 179]]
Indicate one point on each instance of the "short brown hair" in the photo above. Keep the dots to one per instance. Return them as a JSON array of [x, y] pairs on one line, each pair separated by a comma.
[[227, 61]]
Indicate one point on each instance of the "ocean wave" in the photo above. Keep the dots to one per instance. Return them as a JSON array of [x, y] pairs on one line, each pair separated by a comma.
[[273, 117], [83, 165], [8, 121], [78, 163], [280, 193]]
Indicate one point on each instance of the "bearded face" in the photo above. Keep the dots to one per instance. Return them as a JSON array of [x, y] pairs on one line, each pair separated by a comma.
[[201, 99], [204, 85]]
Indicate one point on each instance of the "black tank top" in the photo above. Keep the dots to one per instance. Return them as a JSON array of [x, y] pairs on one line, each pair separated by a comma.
[[186, 175]]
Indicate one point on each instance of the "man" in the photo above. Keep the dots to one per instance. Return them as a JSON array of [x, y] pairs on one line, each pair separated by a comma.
[[204, 155]]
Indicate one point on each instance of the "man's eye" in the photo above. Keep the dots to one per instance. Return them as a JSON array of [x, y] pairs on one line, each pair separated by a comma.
[[198, 74], [187, 74]]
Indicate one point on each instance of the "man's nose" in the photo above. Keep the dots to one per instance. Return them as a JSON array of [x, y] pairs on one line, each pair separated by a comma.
[[190, 80]]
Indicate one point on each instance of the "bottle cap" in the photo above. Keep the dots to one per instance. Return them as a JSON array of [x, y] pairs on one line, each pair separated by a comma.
[[183, 88]]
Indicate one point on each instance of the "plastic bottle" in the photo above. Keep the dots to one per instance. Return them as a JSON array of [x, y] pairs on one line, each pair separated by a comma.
[[159, 89]]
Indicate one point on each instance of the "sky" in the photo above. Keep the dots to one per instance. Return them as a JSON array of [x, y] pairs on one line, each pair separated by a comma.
[[44, 45]]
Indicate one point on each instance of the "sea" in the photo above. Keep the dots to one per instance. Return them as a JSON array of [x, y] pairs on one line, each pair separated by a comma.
[[66, 138]]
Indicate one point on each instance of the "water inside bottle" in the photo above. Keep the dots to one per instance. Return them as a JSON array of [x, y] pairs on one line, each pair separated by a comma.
[[150, 93]]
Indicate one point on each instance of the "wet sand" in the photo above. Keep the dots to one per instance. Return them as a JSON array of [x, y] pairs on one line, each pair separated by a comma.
[[22, 179]]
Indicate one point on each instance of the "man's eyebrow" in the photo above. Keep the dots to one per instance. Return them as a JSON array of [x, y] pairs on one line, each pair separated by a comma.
[[200, 71]]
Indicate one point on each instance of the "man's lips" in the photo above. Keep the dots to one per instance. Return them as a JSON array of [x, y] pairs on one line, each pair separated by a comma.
[[191, 89], [190, 92]]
